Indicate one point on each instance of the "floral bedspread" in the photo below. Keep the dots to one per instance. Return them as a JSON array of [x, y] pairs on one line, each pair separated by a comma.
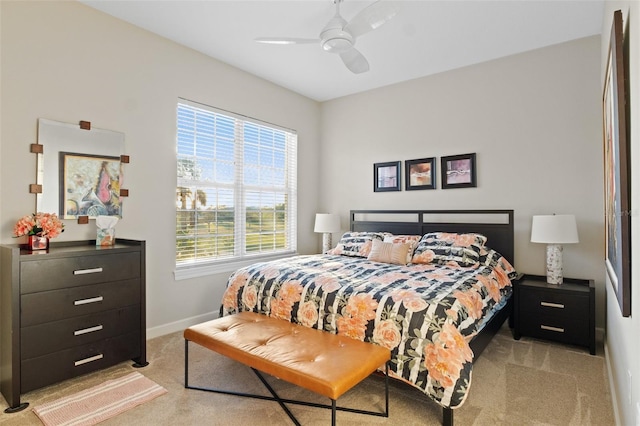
[[425, 314]]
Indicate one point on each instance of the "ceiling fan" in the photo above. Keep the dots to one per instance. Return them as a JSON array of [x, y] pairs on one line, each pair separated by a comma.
[[339, 36]]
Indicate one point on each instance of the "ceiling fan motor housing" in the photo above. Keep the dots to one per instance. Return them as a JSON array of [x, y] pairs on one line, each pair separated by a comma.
[[334, 38], [336, 41]]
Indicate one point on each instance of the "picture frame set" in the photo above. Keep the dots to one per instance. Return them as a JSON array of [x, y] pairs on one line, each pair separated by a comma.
[[457, 171]]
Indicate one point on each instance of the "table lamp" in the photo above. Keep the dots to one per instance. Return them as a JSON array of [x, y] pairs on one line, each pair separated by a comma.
[[326, 223], [554, 230]]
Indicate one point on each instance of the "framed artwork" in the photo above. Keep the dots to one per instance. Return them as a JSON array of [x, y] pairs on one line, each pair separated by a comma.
[[458, 171], [386, 176], [616, 167], [420, 174], [90, 185]]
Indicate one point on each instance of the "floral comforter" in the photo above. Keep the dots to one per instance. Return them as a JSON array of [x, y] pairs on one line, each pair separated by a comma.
[[425, 314]]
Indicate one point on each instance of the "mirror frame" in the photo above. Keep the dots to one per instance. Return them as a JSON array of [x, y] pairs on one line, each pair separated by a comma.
[[55, 141]]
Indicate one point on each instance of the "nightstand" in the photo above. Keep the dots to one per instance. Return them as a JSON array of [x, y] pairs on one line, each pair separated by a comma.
[[563, 313]]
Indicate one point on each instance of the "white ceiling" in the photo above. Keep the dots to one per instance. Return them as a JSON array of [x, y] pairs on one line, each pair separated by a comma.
[[426, 37]]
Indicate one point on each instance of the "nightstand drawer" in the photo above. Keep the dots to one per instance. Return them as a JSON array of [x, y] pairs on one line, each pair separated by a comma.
[[538, 303], [50, 274], [566, 330]]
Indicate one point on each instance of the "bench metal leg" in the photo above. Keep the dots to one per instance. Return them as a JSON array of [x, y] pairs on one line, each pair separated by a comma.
[[276, 397], [447, 417], [282, 401], [333, 412]]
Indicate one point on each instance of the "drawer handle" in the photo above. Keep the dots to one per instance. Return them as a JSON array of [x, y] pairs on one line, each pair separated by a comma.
[[90, 300], [87, 360], [87, 330], [552, 305], [548, 327], [86, 271]]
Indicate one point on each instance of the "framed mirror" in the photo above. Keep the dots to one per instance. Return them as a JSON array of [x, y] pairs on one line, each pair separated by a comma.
[[80, 171]]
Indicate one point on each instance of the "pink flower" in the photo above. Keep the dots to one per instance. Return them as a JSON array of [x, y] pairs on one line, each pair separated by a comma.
[[443, 364], [362, 306], [40, 224], [308, 314], [386, 334], [250, 297], [353, 327]]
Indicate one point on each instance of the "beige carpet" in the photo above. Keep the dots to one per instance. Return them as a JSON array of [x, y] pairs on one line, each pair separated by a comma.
[[524, 382]]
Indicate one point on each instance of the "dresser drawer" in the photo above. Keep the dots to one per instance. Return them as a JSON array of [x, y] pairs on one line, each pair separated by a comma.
[[53, 273], [52, 368], [47, 306], [54, 336], [539, 303], [562, 329]]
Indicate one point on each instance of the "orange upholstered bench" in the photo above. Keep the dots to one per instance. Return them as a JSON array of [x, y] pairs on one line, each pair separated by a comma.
[[319, 361]]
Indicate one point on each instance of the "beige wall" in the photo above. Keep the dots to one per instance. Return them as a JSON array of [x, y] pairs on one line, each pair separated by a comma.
[[533, 121], [622, 343], [67, 62]]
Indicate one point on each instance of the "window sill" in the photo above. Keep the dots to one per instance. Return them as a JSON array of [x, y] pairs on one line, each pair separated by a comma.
[[186, 272]]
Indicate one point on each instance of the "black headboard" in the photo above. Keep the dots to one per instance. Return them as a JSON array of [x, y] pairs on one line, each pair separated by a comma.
[[496, 225]]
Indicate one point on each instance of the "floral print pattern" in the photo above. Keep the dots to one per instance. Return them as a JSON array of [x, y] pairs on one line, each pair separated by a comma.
[[449, 249], [425, 314]]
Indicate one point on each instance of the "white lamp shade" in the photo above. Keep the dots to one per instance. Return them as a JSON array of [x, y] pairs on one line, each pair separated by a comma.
[[327, 222], [554, 229]]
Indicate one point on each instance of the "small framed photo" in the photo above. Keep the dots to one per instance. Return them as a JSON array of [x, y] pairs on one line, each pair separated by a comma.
[[420, 174], [386, 176], [458, 171]]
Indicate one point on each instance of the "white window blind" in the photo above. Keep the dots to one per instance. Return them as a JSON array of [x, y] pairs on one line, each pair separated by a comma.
[[236, 191]]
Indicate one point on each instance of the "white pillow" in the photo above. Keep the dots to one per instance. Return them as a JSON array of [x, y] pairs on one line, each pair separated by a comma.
[[395, 253], [412, 240]]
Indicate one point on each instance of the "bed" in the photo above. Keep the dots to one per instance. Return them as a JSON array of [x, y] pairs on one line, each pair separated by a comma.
[[433, 286]]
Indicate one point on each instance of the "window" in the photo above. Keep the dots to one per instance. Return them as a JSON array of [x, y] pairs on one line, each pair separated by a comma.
[[236, 189]]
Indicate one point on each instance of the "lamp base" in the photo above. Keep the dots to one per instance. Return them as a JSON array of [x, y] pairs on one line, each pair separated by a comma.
[[326, 242], [554, 264]]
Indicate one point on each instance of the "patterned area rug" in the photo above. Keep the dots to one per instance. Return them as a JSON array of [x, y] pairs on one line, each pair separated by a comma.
[[99, 403]]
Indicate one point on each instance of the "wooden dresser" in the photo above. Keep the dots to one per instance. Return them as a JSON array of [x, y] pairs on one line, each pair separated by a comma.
[[67, 311]]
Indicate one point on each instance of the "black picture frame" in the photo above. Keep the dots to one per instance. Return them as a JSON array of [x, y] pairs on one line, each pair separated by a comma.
[[458, 171], [617, 169], [386, 176], [420, 174]]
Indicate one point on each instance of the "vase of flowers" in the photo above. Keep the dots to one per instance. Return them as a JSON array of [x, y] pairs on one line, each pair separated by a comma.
[[39, 228]]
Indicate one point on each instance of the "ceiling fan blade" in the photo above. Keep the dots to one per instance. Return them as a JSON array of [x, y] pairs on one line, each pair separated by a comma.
[[286, 40], [372, 17], [355, 61]]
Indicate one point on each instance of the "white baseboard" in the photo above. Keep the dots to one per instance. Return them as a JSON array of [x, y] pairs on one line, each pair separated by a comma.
[[612, 388], [172, 327]]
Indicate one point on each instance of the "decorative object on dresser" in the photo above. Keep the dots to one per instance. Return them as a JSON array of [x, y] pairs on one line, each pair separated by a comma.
[[326, 223], [73, 309], [563, 313], [39, 228], [554, 230]]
